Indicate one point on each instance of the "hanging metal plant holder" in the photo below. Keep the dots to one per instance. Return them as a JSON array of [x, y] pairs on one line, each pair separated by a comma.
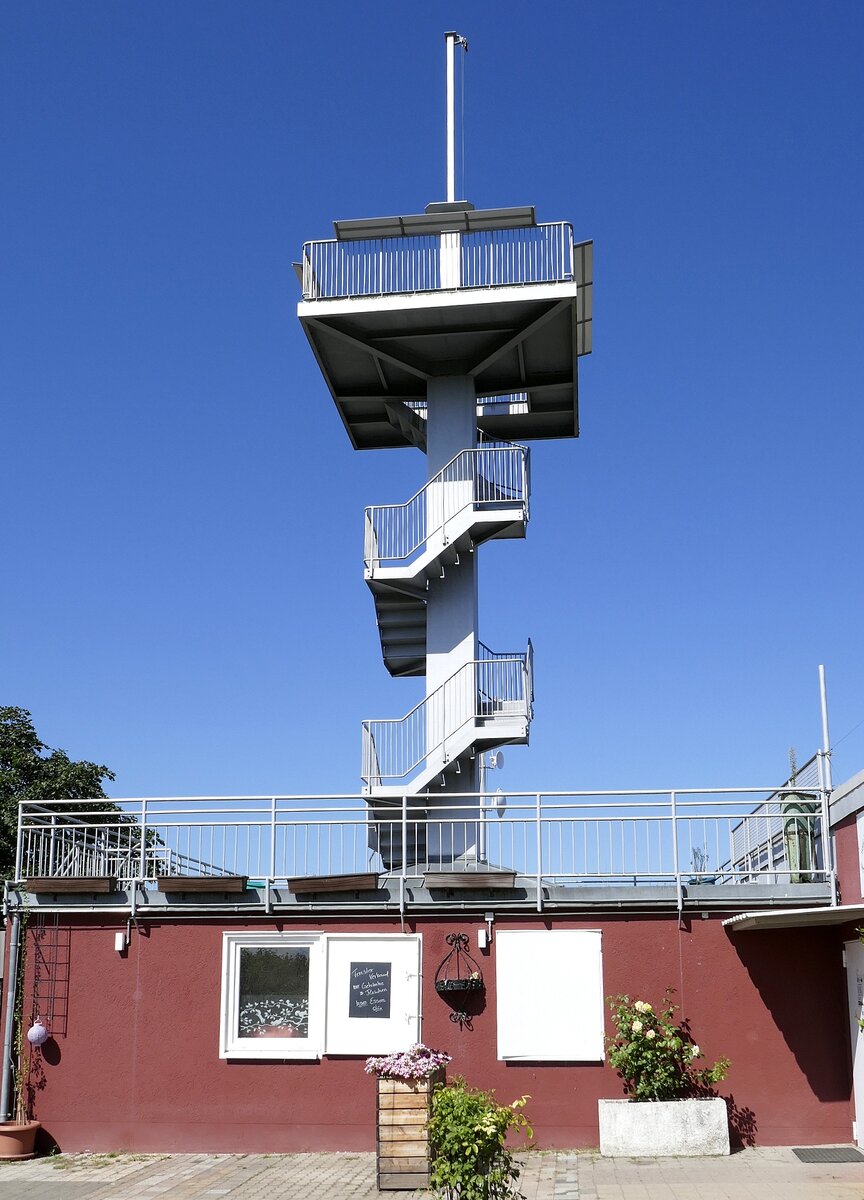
[[459, 972]]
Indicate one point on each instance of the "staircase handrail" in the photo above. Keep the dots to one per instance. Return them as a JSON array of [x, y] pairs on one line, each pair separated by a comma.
[[408, 736], [513, 478]]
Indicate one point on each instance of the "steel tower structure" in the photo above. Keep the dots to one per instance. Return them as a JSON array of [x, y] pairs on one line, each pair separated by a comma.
[[456, 331]]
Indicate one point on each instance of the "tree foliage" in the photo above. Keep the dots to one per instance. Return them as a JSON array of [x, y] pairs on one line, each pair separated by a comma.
[[30, 770]]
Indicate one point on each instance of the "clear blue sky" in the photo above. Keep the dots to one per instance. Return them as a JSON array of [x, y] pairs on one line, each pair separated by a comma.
[[182, 512]]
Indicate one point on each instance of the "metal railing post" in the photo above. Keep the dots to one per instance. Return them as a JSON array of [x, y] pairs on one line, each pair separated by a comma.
[[143, 855], [825, 818], [539, 837], [679, 892], [52, 852], [404, 855], [272, 837], [19, 841]]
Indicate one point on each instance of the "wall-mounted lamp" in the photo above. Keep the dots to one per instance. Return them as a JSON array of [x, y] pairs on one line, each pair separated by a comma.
[[37, 1034]]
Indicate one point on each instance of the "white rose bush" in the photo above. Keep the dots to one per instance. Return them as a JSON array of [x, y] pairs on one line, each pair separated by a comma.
[[655, 1055]]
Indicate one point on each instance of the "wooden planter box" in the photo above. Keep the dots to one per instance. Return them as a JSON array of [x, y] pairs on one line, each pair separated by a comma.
[[403, 1134], [83, 884], [201, 883], [365, 882]]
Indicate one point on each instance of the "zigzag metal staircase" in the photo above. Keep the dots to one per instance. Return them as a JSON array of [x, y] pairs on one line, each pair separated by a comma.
[[480, 494], [486, 703]]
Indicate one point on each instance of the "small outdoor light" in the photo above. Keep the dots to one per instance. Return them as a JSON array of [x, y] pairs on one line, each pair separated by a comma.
[[37, 1034]]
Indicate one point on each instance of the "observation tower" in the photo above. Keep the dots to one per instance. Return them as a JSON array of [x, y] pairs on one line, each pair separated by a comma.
[[456, 331]]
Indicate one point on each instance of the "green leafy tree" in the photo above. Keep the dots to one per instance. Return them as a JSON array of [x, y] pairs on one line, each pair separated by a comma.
[[30, 770]]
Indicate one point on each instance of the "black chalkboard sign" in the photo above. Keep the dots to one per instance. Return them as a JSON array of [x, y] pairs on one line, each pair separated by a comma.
[[370, 990]]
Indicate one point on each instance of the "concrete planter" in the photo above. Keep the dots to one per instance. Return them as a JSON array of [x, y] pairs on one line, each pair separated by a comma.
[[663, 1128]]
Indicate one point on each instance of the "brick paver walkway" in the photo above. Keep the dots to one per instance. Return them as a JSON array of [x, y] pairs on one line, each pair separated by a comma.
[[769, 1174]]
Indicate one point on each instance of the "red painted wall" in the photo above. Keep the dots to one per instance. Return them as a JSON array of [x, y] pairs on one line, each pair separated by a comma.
[[846, 855], [133, 1063]]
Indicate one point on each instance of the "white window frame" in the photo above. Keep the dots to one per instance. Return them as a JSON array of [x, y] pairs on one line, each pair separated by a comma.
[[233, 1046], [315, 1045]]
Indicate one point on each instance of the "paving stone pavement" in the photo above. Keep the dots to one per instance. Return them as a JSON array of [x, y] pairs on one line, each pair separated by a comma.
[[760, 1174]]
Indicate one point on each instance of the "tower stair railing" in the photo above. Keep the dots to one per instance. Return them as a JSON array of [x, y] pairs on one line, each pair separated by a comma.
[[495, 477], [504, 680], [408, 752]]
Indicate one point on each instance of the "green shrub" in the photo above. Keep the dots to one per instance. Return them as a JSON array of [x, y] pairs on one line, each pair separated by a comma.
[[655, 1056], [468, 1132]]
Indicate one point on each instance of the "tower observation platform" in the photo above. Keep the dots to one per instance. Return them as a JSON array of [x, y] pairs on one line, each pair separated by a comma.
[[489, 296], [457, 331]]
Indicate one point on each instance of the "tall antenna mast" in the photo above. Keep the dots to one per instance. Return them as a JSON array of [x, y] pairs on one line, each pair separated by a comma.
[[826, 740], [452, 40]]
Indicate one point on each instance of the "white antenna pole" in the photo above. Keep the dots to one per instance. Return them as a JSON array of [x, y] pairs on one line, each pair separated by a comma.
[[826, 741], [452, 40]]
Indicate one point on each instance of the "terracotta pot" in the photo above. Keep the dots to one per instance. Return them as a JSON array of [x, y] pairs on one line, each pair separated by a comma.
[[17, 1138], [276, 1031]]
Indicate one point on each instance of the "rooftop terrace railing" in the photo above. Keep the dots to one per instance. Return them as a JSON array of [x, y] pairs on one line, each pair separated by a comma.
[[430, 262], [572, 839]]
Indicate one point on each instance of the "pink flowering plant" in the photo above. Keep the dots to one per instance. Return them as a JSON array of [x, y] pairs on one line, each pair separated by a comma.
[[408, 1065], [655, 1055]]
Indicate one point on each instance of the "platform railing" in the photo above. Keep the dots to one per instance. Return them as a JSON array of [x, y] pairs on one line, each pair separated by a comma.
[[488, 404], [403, 265], [495, 476], [708, 839]]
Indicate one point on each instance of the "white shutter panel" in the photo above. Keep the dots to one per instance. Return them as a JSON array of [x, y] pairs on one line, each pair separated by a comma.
[[390, 1017], [550, 995]]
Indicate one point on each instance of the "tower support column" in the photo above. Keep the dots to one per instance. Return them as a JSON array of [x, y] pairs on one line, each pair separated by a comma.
[[451, 603], [451, 637]]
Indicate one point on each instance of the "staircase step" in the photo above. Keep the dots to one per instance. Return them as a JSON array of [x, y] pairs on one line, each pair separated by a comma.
[[408, 422], [397, 618], [393, 632], [402, 629]]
